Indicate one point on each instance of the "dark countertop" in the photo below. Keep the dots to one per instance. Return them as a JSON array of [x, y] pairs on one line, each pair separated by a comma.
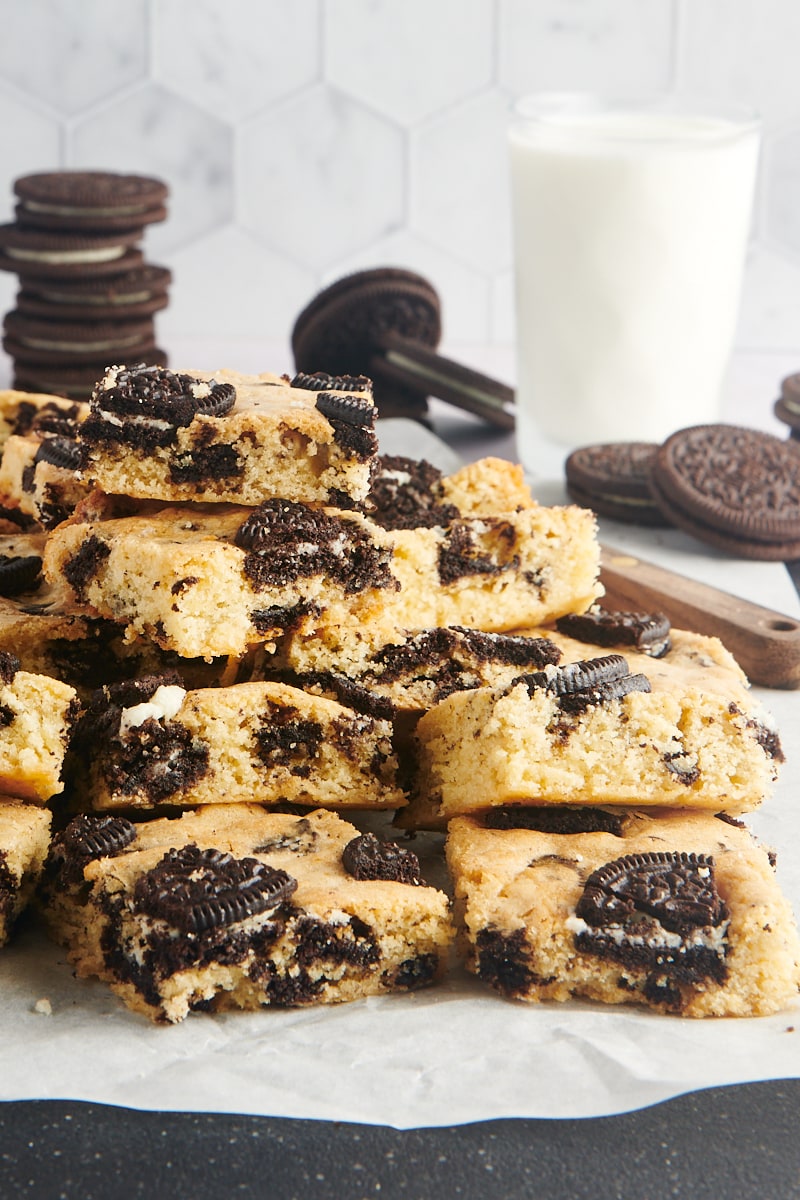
[[738, 1142]]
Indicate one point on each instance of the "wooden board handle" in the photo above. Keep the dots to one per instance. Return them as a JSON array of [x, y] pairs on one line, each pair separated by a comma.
[[766, 644]]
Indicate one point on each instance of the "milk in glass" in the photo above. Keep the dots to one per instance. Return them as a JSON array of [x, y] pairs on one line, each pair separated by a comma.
[[630, 229]]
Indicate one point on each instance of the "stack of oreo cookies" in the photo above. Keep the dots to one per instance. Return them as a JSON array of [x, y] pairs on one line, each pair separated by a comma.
[[736, 489], [87, 296]]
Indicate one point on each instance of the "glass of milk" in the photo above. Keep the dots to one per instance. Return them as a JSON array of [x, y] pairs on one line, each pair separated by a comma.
[[630, 225]]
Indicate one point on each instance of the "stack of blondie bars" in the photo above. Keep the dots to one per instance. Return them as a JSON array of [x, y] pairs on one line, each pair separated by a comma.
[[243, 623]]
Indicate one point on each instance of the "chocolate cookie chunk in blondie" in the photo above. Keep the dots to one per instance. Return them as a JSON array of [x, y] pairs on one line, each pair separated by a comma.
[[211, 580], [680, 912], [494, 573], [409, 493], [234, 907], [148, 742]]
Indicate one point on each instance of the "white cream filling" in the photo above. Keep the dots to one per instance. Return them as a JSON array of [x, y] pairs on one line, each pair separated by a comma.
[[164, 704], [399, 477], [78, 347], [65, 298], [710, 937], [68, 210], [134, 419], [103, 254]]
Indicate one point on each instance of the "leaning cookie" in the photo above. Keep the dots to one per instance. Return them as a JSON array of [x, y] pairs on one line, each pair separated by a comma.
[[613, 478], [680, 912], [737, 489], [232, 907]]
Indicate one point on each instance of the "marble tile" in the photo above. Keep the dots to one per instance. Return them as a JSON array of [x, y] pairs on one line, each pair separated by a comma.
[[408, 60], [156, 133], [464, 292], [459, 181], [73, 55], [320, 177], [29, 142], [616, 46], [743, 53], [235, 58], [228, 285]]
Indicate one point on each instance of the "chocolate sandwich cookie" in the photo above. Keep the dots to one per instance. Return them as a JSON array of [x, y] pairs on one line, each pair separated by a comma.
[[137, 293], [39, 253], [737, 489], [613, 479], [787, 406], [89, 201], [76, 382], [31, 339], [340, 329]]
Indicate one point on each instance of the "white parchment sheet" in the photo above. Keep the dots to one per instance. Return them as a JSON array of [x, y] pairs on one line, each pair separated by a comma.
[[452, 1054]]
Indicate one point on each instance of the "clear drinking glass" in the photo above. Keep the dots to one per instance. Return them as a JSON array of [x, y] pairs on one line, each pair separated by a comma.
[[630, 220]]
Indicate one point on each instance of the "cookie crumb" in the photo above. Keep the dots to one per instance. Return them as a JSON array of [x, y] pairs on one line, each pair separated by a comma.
[[44, 1007]]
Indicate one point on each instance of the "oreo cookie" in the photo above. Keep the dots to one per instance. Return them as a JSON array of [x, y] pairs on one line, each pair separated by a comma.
[[407, 493], [91, 836], [648, 632], [32, 339], [18, 575], [613, 478], [92, 201], [340, 329], [558, 819], [321, 381], [40, 253], [145, 405], [735, 488], [74, 382], [137, 293], [581, 685], [196, 890], [63, 452], [367, 857]]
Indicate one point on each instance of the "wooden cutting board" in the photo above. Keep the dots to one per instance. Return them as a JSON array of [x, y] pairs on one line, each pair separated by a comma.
[[766, 644]]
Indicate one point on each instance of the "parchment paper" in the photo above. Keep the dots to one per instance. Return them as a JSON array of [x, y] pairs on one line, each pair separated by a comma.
[[453, 1054]]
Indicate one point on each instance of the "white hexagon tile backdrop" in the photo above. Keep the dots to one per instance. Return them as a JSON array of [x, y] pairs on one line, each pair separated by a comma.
[[302, 139]]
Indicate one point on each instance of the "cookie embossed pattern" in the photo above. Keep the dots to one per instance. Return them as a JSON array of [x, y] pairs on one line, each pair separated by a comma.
[[737, 489]]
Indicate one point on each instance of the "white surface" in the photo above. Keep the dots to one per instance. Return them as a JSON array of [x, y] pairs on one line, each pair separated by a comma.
[[452, 1054]]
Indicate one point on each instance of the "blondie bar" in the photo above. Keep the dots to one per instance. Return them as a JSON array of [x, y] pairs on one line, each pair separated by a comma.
[[24, 842], [157, 434], [148, 742], [234, 907], [677, 911]]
